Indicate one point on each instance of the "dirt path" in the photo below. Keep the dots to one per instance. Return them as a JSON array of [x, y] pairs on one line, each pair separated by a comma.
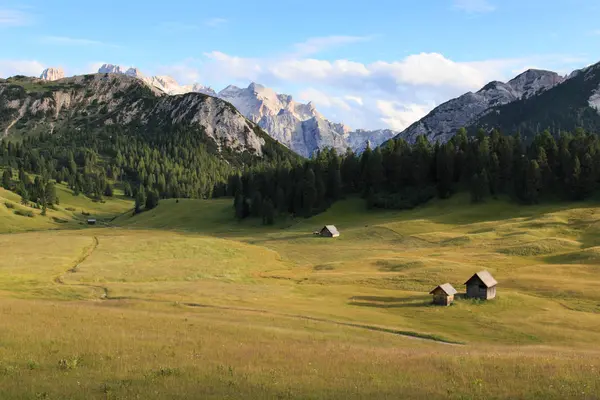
[[87, 252], [375, 328], [105, 296]]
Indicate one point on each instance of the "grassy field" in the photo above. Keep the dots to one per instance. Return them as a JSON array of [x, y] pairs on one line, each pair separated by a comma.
[[185, 302]]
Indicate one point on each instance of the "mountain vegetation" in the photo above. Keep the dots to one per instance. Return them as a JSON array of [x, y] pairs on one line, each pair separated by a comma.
[[402, 175], [564, 107], [109, 132]]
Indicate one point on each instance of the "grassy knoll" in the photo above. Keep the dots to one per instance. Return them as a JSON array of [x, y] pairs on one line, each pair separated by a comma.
[[185, 302], [68, 214]]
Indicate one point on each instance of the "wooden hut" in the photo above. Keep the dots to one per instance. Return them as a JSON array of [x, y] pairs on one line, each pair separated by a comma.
[[443, 295], [482, 286], [329, 231]]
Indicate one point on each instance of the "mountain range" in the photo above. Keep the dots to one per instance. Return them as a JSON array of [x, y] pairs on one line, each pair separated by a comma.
[[96, 101], [299, 126], [529, 103]]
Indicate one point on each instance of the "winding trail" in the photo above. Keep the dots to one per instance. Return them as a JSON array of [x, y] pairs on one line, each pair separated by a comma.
[[87, 252]]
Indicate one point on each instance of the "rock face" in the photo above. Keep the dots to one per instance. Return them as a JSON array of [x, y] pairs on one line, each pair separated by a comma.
[[52, 74], [164, 83], [443, 121], [110, 69], [299, 126], [98, 100], [573, 103]]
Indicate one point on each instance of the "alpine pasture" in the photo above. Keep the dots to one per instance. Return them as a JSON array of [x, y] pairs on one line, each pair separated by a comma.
[[183, 301]]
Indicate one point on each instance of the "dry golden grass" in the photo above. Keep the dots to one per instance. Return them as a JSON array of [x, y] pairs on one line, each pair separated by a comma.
[[184, 302]]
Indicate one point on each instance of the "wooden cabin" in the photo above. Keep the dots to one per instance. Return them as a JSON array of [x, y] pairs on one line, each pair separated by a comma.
[[329, 231], [443, 295], [482, 286], [91, 221]]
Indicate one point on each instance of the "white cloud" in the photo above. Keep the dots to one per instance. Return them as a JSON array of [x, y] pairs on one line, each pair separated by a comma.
[[474, 6], [11, 18], [390, 93], [399, 116], [355, 99], [20, 67], [595, 32], [185, 72], [214, 22], [322, 99], [69, 41]]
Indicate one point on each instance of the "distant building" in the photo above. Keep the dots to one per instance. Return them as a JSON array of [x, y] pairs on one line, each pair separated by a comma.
[[91, 221], [482, 285], [443, 295], [329, 231]]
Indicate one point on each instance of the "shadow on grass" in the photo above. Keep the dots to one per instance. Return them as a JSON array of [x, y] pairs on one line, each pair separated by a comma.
[[390, 302]]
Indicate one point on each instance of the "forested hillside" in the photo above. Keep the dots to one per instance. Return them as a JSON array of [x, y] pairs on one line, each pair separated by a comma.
[[564, 107], [402, 175], [97, 131]]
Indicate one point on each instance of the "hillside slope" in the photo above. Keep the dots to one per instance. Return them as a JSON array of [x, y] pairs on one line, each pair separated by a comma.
[[443, 121], [575, 103], [90, 102]]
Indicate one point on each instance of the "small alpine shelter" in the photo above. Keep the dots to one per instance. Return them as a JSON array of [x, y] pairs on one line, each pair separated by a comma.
[[91, 221], [443, 295], [482, 286], [329, 231]]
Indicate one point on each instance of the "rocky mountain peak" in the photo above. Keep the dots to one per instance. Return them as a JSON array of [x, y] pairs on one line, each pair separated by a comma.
[[443, 121], [134, 72], [52, 74], [533, 81], [110, 69]]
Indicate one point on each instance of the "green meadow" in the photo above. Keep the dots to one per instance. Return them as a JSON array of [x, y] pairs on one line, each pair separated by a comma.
[[185, 302]]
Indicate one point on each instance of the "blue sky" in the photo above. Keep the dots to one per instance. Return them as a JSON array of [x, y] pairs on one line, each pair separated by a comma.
[[372, 64]]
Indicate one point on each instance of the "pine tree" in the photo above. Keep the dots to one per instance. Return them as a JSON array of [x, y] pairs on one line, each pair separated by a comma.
[[256, 205], [445, 170], [533, 183], [334, 187], [268, 212], [50, 193], [281, 201], [152, 200], [140, 200], [108, 190], [6, 179], [241, 207], [309, 193]]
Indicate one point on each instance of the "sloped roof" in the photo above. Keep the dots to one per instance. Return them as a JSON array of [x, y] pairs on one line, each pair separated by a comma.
[[332, 229], [447, 288], [485, 277]]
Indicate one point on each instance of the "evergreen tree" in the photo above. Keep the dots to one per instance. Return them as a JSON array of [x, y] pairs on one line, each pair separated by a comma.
[[445, 170], [152, 200], [6, 179], [108, 190], [256, 205], [140, 200], [281, 201], [50, 194], [241, 207], [268, 212], [533, 183], [309, 193]]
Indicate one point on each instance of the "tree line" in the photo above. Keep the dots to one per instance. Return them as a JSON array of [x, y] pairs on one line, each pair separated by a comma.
[[147, 163], [402, 175]]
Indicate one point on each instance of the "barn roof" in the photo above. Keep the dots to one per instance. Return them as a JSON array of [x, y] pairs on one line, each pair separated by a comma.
[[447, 288], [332, 229], [485, 277]]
